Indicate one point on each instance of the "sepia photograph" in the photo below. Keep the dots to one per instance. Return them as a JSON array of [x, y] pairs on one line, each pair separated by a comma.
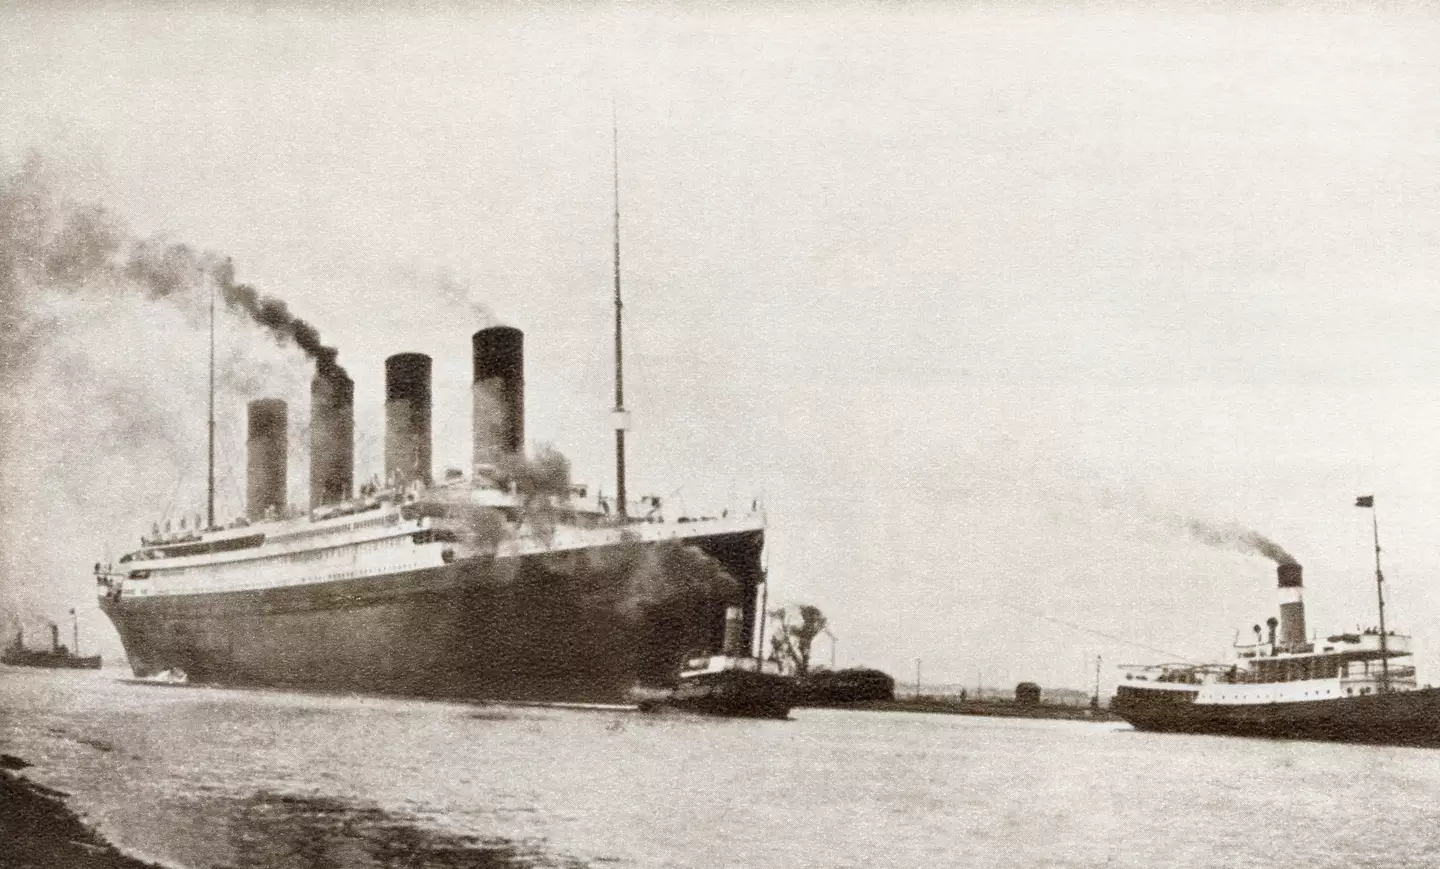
[[638, 434]]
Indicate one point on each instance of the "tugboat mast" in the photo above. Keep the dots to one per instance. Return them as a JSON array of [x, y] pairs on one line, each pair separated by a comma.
[[1380, 597], [620, 417], [210, 471], [1368, 502]]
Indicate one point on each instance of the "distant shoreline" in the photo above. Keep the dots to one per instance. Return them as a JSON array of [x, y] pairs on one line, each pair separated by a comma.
[[989, 708], [40, 830]]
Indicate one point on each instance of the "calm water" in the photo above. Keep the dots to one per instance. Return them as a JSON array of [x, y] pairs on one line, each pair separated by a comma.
[[204, 777]]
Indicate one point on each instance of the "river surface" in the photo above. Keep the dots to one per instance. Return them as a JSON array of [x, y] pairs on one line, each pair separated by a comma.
[[205, 777]]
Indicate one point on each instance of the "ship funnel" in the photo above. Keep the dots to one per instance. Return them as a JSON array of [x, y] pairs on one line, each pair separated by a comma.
[[332, 438], [54, 637], [733, 619], [265, 457], [498, 395], [407, 418], [1292, 608]]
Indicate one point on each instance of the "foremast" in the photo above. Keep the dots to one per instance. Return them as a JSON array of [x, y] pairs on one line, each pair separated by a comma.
[[620, 417], [210, 467]]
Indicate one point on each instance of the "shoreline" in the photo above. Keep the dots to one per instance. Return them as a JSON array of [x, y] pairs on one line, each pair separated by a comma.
[[985, 708], [40, 830]]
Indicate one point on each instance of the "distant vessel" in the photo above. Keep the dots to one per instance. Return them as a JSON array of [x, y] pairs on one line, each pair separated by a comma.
[[731, 684], [845, 687], [501, 583], [1342, 688], [57, 656]]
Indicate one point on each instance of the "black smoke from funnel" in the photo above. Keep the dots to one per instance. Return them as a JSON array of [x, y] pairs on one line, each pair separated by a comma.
[[73, 248], [274, 314], [86, 313], [1237, 539]]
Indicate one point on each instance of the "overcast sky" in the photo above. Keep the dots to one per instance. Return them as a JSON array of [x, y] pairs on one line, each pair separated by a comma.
[[980, 298]]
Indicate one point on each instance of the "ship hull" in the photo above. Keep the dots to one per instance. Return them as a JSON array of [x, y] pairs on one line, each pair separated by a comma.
[[51, 660], [583, 626], [1397, 718]]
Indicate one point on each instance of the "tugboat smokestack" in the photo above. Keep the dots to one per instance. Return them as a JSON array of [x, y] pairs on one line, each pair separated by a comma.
[[407, 418], [733, 624], [498, 395], [265, 457], [1292, 607]]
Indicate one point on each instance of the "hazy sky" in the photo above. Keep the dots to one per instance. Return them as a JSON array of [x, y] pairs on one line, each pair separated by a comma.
[[980, 297]]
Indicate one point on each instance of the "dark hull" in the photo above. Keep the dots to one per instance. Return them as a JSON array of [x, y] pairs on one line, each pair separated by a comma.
[[54, 660], [735, 694], [1400, 718], [582, 626]]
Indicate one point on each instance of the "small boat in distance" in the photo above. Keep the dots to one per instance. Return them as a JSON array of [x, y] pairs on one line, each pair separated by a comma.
[[57, 656], [730, 684], [1341, 689]]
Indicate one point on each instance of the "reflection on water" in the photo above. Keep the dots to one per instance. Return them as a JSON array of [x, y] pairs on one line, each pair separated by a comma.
[[204, 778], [278, 831]]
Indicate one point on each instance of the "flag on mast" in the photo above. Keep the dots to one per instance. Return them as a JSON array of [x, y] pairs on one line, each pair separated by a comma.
[[1365, 501]]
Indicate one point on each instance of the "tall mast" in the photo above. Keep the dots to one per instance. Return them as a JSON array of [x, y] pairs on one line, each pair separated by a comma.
[[619, 415], [1380, 597], [210, 474], [1368, 502]]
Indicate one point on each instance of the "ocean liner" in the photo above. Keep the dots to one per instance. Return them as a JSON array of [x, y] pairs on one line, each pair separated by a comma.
[[492, 584], [1341, 688]]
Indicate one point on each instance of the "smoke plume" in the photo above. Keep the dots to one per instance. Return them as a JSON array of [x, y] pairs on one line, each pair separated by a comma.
[[670, 571], [1238, 539], [83, 250], [103, 386], [274, 314]]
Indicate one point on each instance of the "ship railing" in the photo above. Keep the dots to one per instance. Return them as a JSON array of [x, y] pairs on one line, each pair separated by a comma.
[[1182, 673], [722, 663]]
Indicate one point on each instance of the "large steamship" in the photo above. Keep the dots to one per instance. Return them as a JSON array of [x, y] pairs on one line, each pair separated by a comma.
[[475, 586], [456, 588], [1343, 687]]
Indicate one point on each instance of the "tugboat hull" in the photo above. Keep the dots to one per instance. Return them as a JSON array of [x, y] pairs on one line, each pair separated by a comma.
[[736, 694]]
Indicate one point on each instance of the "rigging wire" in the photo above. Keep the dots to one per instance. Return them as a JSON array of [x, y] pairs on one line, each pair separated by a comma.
[[1039, 615]]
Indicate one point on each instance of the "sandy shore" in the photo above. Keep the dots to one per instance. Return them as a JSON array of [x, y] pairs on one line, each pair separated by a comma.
[[40, 831]]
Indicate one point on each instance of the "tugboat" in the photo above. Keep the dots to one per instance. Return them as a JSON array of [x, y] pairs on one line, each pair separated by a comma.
[[57, 656], [730, 684], [1342, 689]]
